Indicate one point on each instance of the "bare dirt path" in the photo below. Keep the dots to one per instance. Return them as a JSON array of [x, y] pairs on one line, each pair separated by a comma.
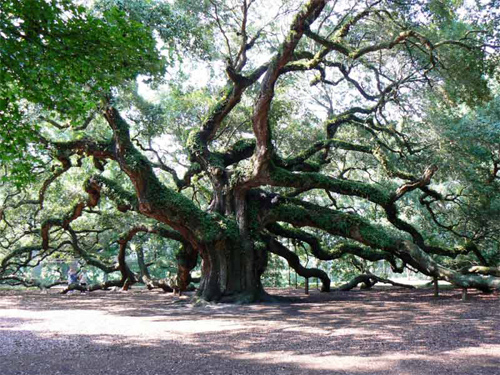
[[390, 332]]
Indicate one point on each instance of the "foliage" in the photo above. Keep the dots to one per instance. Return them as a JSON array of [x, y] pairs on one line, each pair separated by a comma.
[[63, 58]]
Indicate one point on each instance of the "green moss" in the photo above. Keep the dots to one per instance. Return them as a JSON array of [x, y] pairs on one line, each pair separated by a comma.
[[335, 222], [216, 159], [218, 107], [253, 217], [51, 222], [208, 227], [291, 213], [114, 191], [228, 226], [375, 237], [194, 143], [331, 221], [239, 174], [316, 180], [243, 144], [215, 227], [195, 167]]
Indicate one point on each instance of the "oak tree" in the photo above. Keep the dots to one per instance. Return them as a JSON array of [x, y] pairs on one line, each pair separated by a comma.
[[342, 126]]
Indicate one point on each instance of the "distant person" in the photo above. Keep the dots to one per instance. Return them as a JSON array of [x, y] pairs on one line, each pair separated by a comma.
[[72, 277], [83, 280]]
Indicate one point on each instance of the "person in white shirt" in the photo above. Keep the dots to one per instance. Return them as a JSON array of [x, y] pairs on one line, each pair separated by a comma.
[[83, 279]]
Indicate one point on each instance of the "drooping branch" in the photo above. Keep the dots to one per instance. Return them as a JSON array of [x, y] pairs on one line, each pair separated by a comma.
[[6, 261], [424, 263], [311, 180], [128, 277], [15, 280], [482, 270], [186, 259], [63, 222], [154, 199], [338, 251], [303, 214], [369, 280], [93, 287], [293, 260], [94, 188], [89, 258]]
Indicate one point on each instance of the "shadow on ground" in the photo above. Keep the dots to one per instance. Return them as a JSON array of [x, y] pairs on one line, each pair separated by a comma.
[[367, 333]]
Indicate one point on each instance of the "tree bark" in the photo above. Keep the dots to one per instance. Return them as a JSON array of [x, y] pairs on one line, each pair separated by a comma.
[[229, 274], [187, 257], [436, 287]]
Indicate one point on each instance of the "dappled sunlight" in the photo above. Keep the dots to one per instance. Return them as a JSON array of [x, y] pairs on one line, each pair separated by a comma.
[[346, 333], [331, 362], [480, 350], [358, 332], [95, 322], [335, 361]]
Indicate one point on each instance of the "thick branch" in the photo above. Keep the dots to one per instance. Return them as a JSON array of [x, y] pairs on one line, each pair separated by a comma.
[[260, 119], [155, 199], [293, 260], [369, 280], [351, 226], [421, 182], [338, 251]]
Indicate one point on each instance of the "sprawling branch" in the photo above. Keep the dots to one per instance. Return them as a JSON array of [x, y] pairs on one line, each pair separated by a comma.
[[302, 214], [369, 280], [293, 260], [482, 270], [15, 280], [312, 180], [338, 251], [128, 277], [155, 199], [425, 264], [421, 182]]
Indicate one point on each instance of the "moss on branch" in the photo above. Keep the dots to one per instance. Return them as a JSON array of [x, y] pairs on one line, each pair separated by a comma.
[[337, 251], [312, 180]]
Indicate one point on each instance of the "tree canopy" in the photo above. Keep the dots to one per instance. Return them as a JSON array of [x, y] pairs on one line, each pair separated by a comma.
[[231, 130]]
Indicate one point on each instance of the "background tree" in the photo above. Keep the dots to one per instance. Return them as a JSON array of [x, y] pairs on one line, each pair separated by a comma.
[[325, 123]]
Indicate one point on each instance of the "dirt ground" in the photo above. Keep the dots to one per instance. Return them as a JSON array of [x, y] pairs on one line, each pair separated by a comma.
[[390, 332]]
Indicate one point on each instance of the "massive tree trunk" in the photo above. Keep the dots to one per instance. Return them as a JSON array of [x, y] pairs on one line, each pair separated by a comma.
[[233, 265], [231, 271]]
